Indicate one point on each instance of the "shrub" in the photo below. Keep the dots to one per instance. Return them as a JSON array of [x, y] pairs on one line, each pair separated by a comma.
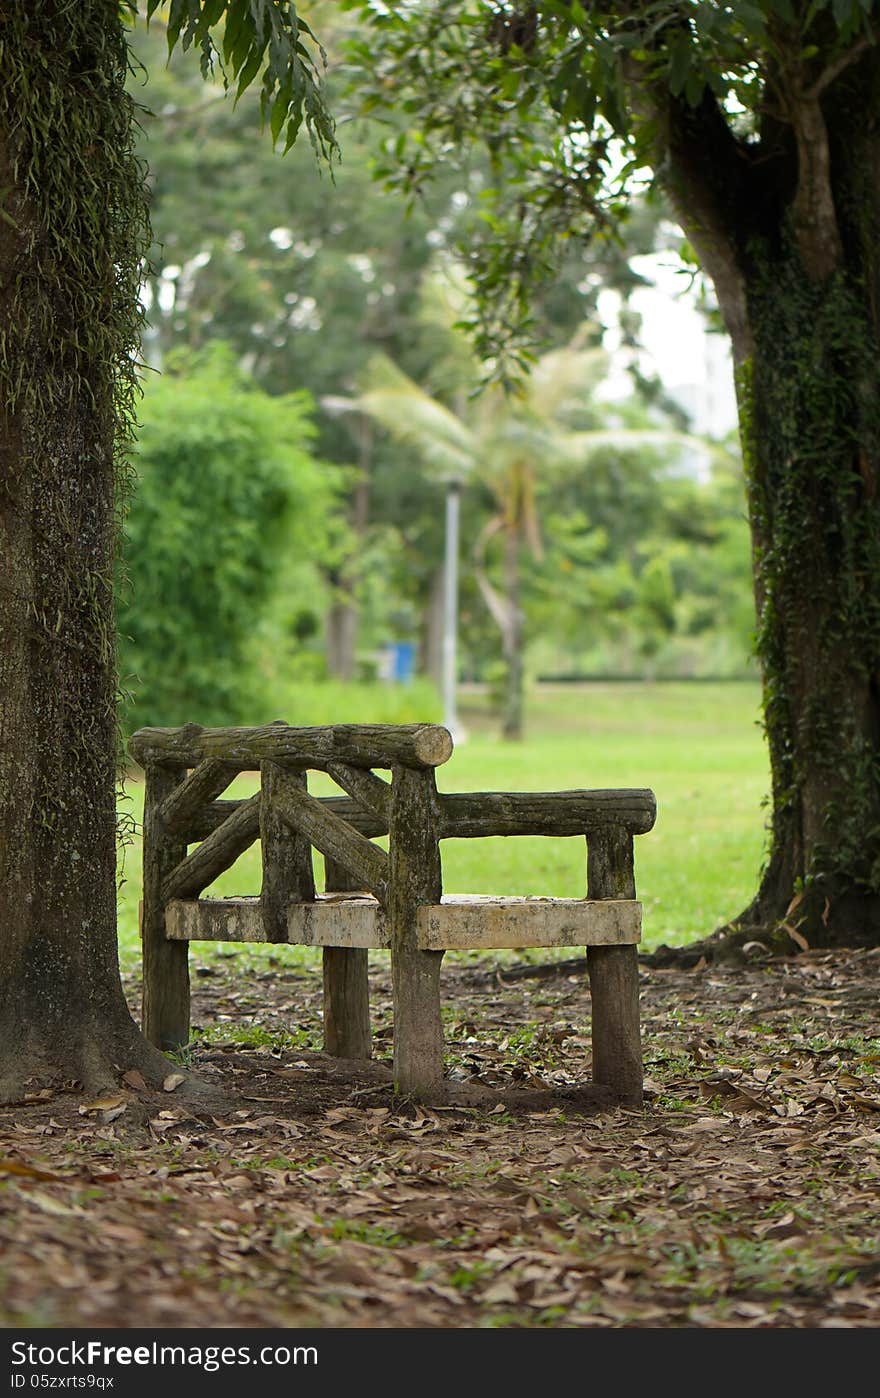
[[228, 500]]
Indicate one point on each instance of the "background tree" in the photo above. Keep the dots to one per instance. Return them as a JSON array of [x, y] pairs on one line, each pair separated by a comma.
[[306, 278], [760, 121], [229, 523], [645, 569], [72, 241], [514, 448]]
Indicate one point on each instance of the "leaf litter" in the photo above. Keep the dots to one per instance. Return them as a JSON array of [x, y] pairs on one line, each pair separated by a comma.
[[744, 1194]]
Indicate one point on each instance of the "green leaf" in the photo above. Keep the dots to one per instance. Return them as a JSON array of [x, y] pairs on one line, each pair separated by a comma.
[[279, 112], [680, 59], [236, 17], [212, 10], [752, 18], [784, 9], [814, 9], [249, 71], [847, 13], [694, 88]]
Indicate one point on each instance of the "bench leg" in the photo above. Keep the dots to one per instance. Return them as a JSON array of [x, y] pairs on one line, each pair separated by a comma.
[[614, 974], [347, 1032], [347, 1003], [418, 1027], [617, 1043], [166, 994], [415, 879]]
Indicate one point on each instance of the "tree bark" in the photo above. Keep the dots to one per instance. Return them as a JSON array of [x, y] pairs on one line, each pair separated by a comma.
[[288, 875], [342, 617], [63, 1015], [341, 634], [165, 999], [347, 1031], [799, 289], [614, 974], [513, 636], [358, 744], [810, 429], [416, 879]]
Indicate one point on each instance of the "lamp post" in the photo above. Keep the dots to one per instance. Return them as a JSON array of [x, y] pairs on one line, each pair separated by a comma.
[[450, 607]]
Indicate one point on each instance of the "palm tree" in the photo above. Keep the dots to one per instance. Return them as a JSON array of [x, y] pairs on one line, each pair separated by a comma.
[[513, 445]]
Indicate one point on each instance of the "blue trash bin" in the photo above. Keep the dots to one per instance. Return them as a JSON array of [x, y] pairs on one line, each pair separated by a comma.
[[404, 660]]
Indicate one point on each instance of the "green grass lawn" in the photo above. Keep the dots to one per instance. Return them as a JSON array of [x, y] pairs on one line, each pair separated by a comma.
[[698, 746]]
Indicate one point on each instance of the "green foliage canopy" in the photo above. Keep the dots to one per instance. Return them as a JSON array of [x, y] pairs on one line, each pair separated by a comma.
[[229, 501], [258, 38], [580, 107], [306, 280]]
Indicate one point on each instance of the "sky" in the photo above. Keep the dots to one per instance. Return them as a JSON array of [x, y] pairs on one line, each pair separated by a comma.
[[693, 363]]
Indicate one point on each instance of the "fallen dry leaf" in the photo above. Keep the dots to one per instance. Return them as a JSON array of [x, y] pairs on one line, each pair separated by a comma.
[[103, 1104], [542, 1212], [21, 1167], [47, 1205]]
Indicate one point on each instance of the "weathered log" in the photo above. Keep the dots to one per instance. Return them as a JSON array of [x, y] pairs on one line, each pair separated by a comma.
[[614, 974], [357, 744], [166, 993], [462, 922], [349, 921], [210, 817], [416, 879], [215, 854], [347, 1032], [202, 785], [365, 788], [481, 922], [286, 857], [467, 815], [474, 814], [334, 837], [338, 879]]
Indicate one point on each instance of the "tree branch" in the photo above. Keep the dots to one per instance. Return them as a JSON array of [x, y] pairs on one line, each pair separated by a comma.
[[834, 70], [498, 606], [815, 217], [705, 170]]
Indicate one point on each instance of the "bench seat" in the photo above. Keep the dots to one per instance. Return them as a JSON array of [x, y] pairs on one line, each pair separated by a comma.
[[460, 922]]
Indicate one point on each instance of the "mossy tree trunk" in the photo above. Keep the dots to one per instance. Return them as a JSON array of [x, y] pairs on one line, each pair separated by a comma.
[[70, 244], [513, 635], [789, 229], [811, 417]]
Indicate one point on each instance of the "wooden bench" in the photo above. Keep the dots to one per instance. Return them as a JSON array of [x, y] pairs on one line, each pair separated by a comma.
[[374, 898]]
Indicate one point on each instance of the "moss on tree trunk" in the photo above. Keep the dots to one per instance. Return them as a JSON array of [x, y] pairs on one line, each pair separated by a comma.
[[810, 417], [788, 227], [71, 241]]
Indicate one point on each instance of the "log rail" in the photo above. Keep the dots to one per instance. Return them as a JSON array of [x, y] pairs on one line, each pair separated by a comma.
[[375, 898]]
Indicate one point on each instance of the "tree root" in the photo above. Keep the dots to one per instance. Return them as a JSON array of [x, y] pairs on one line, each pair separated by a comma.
[[95, 1064]]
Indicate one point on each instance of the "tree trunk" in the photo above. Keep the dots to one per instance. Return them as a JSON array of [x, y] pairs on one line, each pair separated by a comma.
[[513, 636], [342, 617], [810, 423], [72, 238], [793, 245], [341, 634]]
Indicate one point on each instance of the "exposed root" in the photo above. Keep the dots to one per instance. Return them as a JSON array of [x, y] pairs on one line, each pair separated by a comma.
[[96, 1065]]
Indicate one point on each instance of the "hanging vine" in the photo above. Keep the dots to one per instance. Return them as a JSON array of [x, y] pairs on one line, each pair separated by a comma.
[[811, 398], [73, 238]]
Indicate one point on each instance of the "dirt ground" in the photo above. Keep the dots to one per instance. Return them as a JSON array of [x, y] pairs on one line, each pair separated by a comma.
[[743, 1194]]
